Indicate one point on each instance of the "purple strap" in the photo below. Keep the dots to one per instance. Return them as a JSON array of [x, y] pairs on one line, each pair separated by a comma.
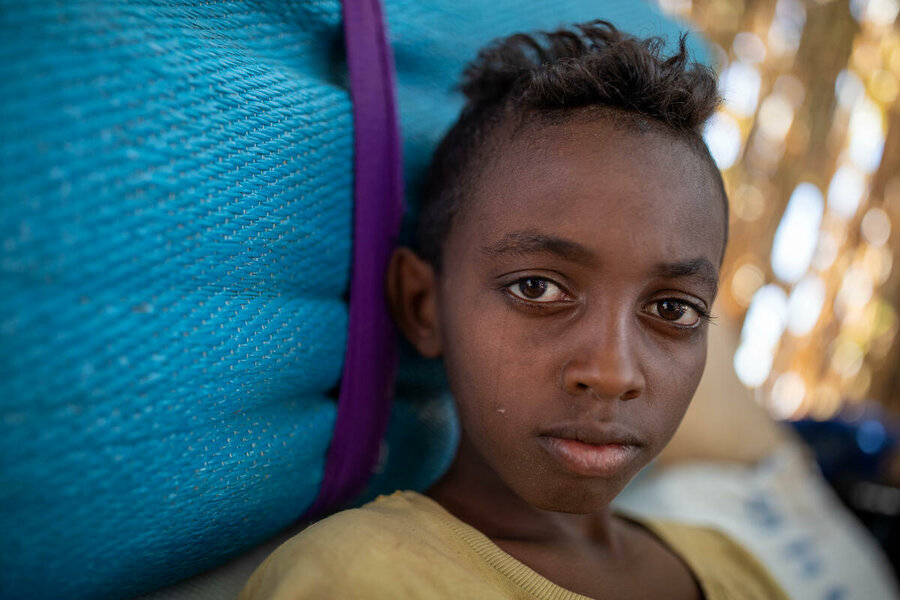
[[371, 358]]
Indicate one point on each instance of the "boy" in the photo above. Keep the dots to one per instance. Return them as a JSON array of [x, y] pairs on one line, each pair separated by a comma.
[[570, 240]]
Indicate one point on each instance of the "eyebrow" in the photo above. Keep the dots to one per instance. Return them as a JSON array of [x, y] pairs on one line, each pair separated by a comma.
[[530, 241], [698, 268]]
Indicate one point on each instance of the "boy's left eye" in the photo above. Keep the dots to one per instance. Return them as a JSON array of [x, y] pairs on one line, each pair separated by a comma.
[[675, 311], [536, 289]]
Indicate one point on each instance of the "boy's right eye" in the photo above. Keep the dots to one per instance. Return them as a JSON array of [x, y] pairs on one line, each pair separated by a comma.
[[537, 289]]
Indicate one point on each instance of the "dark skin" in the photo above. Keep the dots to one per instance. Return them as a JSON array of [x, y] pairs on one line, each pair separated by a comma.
[[570, 312]]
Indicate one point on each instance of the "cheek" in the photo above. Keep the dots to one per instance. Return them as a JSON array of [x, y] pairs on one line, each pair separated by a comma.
[[494, 365], [677, 363], [675, 380], [477, 347]]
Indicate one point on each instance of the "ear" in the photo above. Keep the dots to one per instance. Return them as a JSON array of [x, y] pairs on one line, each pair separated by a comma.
[[412, 297]]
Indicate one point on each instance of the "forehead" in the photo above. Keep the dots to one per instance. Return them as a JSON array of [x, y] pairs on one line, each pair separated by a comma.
[[619, 189]]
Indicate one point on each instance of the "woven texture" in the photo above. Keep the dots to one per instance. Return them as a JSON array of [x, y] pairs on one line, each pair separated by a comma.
[[175, 223]]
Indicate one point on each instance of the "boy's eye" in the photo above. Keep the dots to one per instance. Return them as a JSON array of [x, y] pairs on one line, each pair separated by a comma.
[[537, 289], [675, 311]]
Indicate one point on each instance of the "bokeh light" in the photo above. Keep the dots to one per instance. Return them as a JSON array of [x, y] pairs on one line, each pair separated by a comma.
[[846, 190], [797, 234], [746, 280], [876, 226], [805, 304], [787, 394], [878, 12], [866, 134], [740, 84], [749, 203], [775, 117], [723, 137], [763, 327]]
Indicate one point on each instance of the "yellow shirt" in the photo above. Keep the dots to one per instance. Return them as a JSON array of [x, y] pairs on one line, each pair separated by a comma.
[[407, 546]]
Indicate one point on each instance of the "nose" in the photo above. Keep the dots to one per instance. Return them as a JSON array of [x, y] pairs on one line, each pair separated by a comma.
[[605, 361]]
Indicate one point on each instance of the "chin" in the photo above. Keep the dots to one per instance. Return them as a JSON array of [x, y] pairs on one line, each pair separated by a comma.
[[581, 498]]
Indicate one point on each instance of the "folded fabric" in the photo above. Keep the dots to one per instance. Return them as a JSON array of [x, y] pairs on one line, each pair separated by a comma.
[[783, 511]]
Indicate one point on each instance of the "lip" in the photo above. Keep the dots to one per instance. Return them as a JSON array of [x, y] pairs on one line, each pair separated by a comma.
[[591, 450]]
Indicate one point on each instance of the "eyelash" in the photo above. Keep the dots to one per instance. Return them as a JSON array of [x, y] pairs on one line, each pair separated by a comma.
[[508, 288], [535, 305], [703, 316]]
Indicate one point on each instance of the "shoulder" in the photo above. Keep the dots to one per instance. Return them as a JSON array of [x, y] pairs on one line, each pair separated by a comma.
[[354, 550], [724, 568]]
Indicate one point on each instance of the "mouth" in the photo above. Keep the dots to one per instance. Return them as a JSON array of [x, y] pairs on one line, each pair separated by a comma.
[[593, 450]]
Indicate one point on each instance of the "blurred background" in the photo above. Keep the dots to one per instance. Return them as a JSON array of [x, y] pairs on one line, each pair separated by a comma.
[[809, 143]]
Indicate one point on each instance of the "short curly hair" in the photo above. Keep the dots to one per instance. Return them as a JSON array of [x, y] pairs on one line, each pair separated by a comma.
[[547, 77]]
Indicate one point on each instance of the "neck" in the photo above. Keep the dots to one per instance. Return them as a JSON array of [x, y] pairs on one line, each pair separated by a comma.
[[473, 493]]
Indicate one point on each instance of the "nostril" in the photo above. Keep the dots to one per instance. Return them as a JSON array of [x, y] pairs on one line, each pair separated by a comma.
[[586, 388], [602, 379], [631, 394]]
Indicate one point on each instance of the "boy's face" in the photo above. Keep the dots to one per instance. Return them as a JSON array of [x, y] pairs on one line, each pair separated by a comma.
[[570, 308]]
